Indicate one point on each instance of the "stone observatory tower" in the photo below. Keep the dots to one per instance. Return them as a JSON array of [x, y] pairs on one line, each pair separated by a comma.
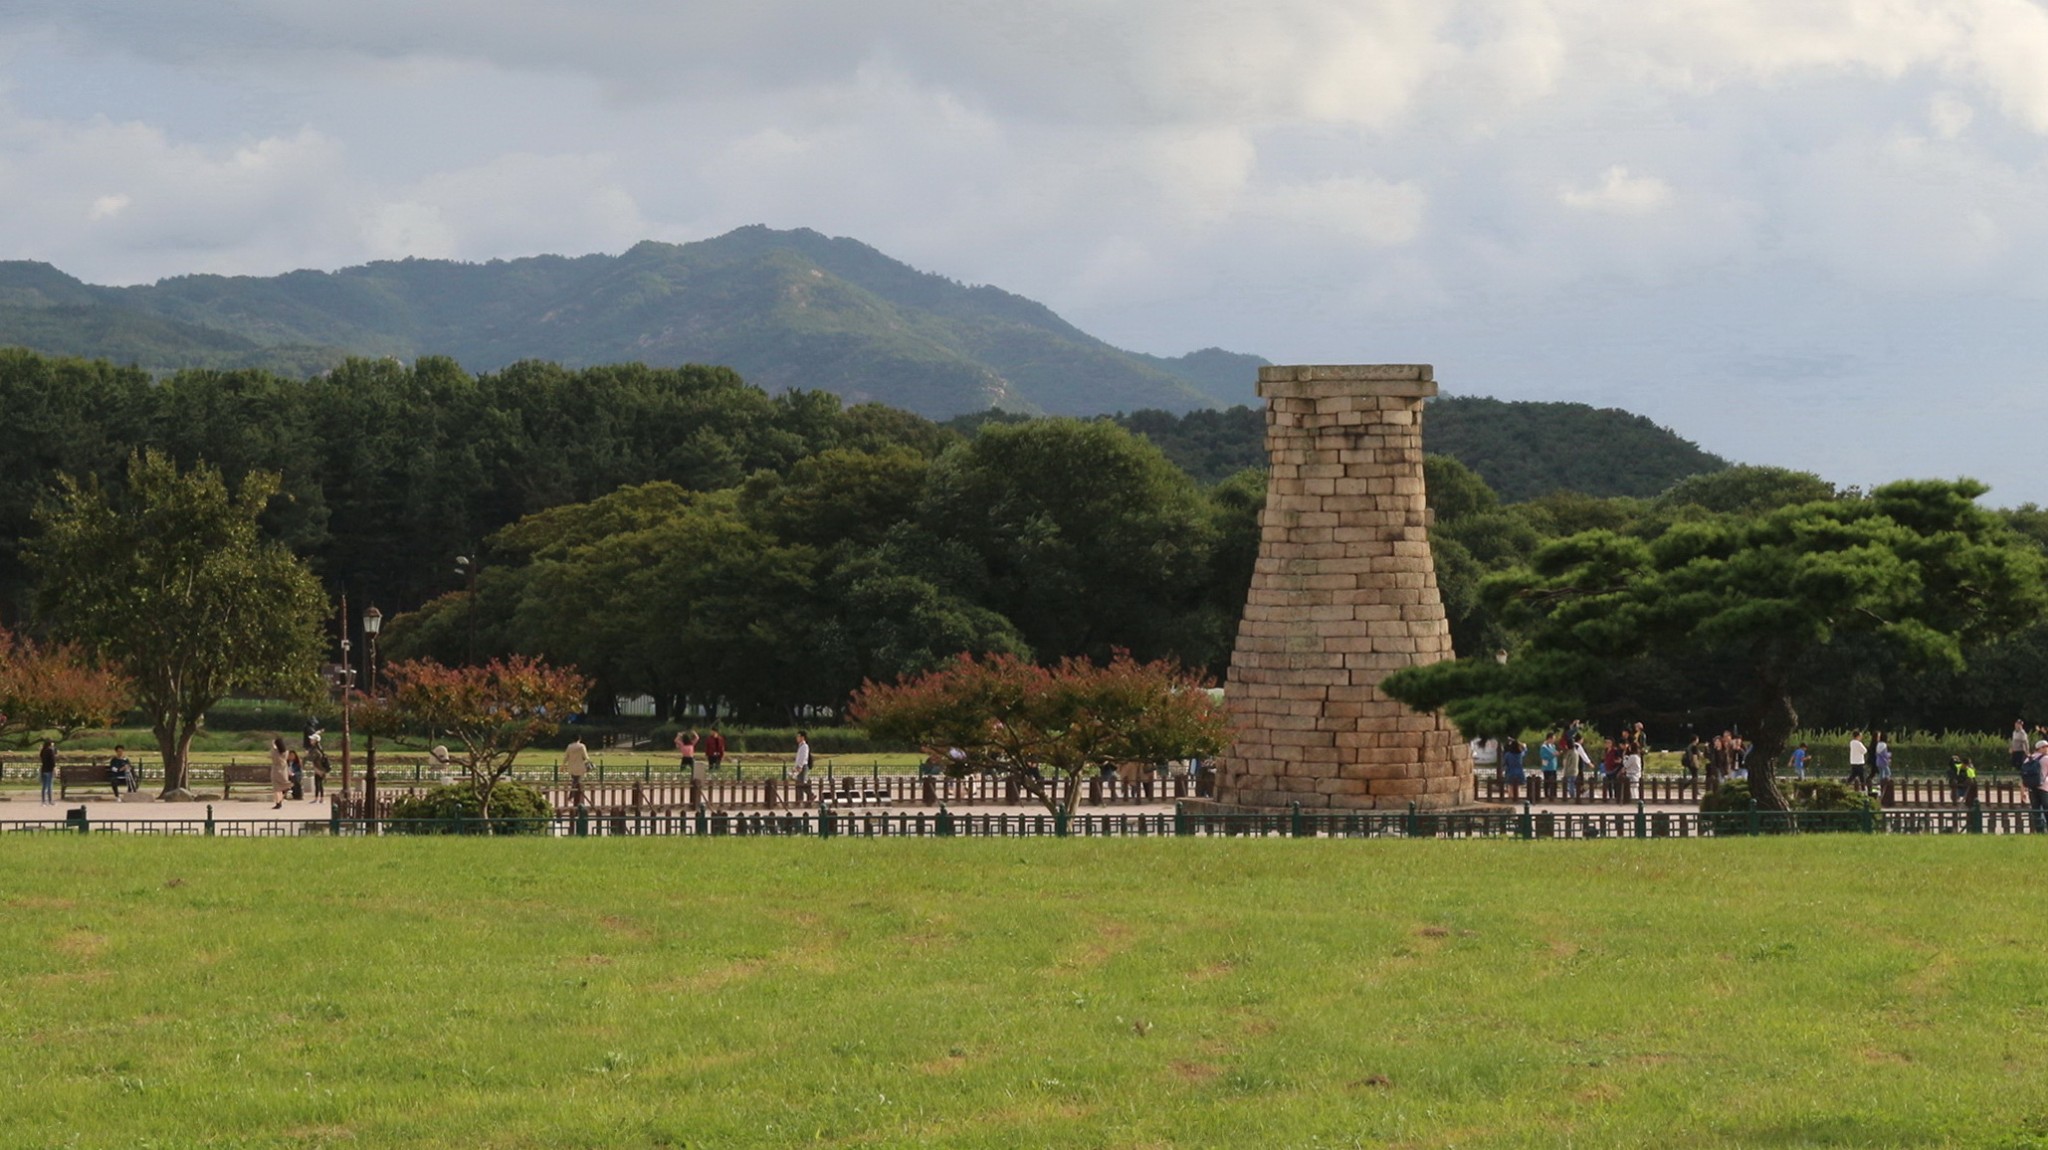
[[1344, 593]]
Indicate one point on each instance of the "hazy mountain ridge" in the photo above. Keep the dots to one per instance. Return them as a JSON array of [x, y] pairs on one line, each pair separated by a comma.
[[784, 308]]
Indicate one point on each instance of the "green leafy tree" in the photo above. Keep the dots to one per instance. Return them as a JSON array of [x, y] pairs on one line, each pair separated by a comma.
[[172, 581], [1233, 507], [1775, 597], [1747, 488], [1079, 533], [837, 496], [888, 622], [63, 417]]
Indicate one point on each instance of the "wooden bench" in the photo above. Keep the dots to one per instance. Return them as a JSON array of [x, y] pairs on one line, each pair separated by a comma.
[[850, 791], [245, 773], [94, 775]]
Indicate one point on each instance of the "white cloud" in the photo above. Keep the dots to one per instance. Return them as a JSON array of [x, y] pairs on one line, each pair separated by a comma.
[[1618, 191], [1374, 211], [1566, 197], [1949, 115], [517, 202], [182, 207]]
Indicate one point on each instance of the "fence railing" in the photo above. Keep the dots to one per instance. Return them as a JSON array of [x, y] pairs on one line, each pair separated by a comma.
[[825, 822], [770, 793], [1592, 791]]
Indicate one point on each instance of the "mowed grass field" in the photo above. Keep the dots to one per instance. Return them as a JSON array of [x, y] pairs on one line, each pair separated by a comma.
[[1833, 990]]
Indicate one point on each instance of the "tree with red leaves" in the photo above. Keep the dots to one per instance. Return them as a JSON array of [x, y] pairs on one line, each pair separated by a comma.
[[54, 690], [1047, 726], [495, 710]]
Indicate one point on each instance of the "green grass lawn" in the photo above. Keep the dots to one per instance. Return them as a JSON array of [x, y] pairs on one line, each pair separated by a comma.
[[665, 992]]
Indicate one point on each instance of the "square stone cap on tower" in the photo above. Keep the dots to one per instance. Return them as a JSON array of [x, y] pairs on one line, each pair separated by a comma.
[[1414, 380]]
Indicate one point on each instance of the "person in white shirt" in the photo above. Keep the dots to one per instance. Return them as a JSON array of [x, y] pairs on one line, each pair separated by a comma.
[[1858, 755], [803, 765], [576, 761]]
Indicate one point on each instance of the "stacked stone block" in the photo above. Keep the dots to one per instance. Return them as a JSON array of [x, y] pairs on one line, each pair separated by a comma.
[[1344, 593]]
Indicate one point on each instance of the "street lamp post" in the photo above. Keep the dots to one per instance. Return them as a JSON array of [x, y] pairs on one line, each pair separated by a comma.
[[373, 621], [348, 682]]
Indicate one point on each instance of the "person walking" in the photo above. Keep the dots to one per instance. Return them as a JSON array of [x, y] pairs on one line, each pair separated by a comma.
[[118, 768], [48, 764], [1881, 764], [2031, 776], [2018, 745], [803, 766], [318, 757], [1799, 757], [1858, 760], [280, 773], [714, 750], [1632, 764], [576, 764]]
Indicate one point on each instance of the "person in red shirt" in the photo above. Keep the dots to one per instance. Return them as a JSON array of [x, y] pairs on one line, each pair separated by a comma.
[[714, 749]]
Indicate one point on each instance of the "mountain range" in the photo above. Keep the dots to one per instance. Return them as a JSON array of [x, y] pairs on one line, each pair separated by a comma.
[[783, 308]]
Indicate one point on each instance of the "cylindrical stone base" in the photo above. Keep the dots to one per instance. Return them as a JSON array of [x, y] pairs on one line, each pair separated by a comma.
[[1344, 593]]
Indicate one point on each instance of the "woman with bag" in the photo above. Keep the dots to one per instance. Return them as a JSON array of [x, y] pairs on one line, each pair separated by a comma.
[[280, 773]]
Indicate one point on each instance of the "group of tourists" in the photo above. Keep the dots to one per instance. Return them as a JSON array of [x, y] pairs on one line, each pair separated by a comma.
[[1567, 766], [288, 769], [1724, 758], [1563, 765]]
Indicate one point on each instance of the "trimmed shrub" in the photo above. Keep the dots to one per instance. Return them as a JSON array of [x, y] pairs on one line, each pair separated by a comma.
[[456, 807], [1830, 795], [1732, 796], [1813, 796]]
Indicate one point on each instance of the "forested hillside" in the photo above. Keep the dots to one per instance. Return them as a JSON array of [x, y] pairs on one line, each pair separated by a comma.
[[787, 309], [1522, 449], [1525, 450]]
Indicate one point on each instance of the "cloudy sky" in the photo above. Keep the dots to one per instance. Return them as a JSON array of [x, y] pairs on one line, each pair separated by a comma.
[[1804, 233]]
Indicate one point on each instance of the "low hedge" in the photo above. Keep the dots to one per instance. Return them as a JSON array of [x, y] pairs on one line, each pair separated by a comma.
[[457, 808], [1810, 796]]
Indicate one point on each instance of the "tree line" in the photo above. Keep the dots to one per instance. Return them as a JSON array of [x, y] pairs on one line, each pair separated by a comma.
[[682, 534]]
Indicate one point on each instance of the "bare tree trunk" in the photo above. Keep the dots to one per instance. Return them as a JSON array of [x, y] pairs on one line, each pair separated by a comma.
[[1774, 721], [167, 750], [1072, 798], [1035, 787]]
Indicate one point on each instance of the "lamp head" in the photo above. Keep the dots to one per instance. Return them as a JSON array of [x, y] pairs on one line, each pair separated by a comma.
[[373, 621]]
